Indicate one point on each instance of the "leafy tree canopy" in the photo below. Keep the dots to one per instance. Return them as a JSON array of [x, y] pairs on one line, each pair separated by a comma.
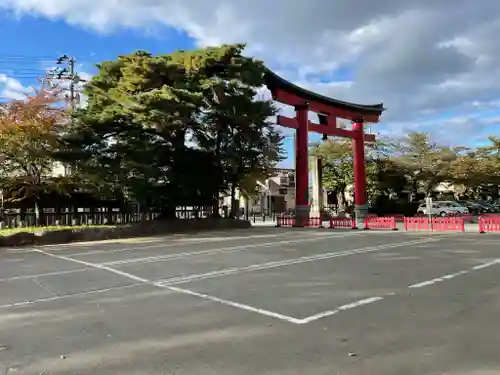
[[142, 109]]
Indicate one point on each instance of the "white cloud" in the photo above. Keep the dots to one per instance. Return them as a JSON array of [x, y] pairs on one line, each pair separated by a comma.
[[11, 88], [419, 57]]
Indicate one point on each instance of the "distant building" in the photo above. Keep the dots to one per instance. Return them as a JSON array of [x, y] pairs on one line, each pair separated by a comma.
[[60, 170], [275, 194]]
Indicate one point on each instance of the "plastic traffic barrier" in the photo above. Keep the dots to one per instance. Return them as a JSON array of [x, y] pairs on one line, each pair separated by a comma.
[[290, 221], [465, 217], [342, 222], [380, 223], [417, 223], [316, 222], [398, 217], [285, 221], [489, 224], [448, 224]]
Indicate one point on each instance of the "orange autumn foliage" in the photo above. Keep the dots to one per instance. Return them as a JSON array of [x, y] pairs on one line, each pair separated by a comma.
[[29, 131]]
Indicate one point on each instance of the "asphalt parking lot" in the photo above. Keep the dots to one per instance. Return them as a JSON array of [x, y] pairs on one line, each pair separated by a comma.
[[259, 301]]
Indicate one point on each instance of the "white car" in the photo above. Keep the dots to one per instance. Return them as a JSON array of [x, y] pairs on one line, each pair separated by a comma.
[[443, 208]]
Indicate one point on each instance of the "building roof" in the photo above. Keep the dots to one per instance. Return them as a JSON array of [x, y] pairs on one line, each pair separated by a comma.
[[273, 81]]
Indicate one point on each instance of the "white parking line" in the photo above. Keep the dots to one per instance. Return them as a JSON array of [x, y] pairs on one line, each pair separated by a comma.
[[176, 243], [486, 265], [349, 306], [167, 257], [241, 306], [268, 313], [178, 290], [31, 276], [438, 279], [66, 296], [453, 275], [284, 263]]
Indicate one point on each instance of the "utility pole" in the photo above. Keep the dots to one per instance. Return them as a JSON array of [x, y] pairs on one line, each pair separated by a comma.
[[66, 71]]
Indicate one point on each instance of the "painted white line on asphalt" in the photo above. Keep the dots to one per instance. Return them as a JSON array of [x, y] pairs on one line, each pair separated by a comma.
[[183, 243], [167, 284], [423, 283], [241, 306], [150, 242], [175, 243], [43, 274], [230, 249], [66, 296], [284, 263], [453, 275], [349, 306], [44, 287], [486, 265], [438, 279], [98, 266], [189, 241], [178, 290]]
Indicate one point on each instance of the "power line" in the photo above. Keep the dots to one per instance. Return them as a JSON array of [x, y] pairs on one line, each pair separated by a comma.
[[21, 57]]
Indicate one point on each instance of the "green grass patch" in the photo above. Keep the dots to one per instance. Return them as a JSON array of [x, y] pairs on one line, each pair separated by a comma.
[[11, 231]]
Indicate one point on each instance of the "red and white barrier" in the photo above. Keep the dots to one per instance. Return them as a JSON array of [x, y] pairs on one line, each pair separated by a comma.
[[448, 224], [490, 215], [285, 221], [489, 224], [380, 223], [290, 221], [315, 222], [438, 224], [342, 222], [465, 217], [417, 223], [398, 217]]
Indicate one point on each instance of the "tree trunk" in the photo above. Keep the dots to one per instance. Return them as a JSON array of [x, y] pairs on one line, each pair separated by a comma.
[[215, 206], [216, 201], [233, 201], [341, 200], [414, 189], [39, 214]]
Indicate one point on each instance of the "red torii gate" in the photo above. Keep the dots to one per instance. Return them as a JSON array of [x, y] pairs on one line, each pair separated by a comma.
[[328, 110]]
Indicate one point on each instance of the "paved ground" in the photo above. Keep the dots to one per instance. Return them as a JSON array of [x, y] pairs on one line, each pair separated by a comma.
[[262, 301]]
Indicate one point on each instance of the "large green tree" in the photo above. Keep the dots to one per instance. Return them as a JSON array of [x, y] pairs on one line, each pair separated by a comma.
[[424, 163], [142, 108], [477, 171], [338, 173]]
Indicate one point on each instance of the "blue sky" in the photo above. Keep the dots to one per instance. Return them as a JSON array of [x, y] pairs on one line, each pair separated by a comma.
[[38, 38], [25, 57], [439, 75]]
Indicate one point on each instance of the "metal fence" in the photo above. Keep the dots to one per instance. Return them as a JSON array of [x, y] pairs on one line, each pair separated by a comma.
[[85, 216]]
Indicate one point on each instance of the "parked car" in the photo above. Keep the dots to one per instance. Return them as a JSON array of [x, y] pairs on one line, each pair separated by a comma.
[[443, 208], [488, 207], [474, 207]]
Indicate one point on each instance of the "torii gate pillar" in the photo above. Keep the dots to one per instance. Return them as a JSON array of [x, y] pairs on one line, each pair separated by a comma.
[[302, 166], [358, 150]]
